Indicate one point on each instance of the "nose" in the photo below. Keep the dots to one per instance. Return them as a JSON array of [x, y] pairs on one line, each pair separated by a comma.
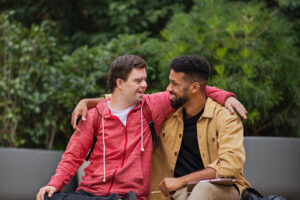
[[169, 88], [144, 84]]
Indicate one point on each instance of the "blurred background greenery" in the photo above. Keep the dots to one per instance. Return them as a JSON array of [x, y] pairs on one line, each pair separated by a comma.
[[54, 53]]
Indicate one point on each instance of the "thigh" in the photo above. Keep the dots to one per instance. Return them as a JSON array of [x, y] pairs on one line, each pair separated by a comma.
[[81, 195], [56, 196], [180, 194], [210, 191]]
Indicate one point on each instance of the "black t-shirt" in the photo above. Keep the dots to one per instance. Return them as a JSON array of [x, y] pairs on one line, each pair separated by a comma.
[[189, 159]]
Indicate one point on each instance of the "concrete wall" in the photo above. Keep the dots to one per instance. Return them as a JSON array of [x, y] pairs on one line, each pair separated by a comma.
[[24, 171], [273, 165]]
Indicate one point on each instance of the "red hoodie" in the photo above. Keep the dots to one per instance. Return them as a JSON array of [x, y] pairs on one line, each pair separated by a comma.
[[117, 163]]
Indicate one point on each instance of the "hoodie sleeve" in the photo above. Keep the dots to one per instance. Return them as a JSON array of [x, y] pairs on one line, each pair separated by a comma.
[[217, 94], [160, 106], [75, 153]]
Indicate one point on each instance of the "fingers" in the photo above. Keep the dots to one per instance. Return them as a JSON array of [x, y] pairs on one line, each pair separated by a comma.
[[230, 108], [163, 188], [80, 110], [47, 189], [74, 119], [40, 195], [241, 110], [229, 104], [165, 191], [233, 105], [51, 192], [76, 115], [83, 113]]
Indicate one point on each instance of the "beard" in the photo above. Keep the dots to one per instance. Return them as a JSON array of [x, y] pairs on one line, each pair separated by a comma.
[[178, 101]]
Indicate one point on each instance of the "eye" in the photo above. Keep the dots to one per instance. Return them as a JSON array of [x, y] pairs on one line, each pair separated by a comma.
[[138, 80], [174, 83]]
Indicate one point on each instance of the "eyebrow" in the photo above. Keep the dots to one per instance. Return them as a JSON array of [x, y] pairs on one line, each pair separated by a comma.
[[173, 81], [140, 79]]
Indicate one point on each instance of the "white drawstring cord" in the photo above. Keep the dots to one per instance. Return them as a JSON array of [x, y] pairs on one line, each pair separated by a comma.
[[103, 149], [142, 139]]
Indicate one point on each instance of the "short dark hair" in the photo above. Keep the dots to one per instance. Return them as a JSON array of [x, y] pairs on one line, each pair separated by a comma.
[[194, 67], [121, 67]]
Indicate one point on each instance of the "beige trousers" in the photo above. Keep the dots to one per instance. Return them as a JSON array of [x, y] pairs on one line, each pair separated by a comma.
[[208, 191]]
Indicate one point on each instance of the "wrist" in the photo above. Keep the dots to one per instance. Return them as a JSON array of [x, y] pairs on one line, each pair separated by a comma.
[[183, 181], [84, 102]]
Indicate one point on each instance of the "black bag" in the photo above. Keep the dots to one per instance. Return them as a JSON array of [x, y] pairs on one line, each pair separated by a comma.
[[252, 194]]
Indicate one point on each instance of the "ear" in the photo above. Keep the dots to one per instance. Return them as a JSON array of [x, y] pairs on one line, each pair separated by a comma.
[[195, 87], [119, 83]]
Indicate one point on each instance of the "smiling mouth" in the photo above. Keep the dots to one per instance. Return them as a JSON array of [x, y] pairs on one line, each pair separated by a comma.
[[173, 96], [140, 92]]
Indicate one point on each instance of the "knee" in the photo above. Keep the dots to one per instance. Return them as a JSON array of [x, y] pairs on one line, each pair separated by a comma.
[[204, 187], [204, 191], [180, 194], [209, 191]]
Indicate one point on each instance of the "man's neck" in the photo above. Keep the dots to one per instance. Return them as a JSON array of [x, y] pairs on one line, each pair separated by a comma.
[[194, 105], [119, 101]]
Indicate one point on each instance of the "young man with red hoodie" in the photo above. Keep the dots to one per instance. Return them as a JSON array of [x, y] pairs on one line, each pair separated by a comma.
[[121, 159]]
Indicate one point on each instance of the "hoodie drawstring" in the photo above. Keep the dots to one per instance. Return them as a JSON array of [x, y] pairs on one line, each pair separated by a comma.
[[142, 138], [103, 149]]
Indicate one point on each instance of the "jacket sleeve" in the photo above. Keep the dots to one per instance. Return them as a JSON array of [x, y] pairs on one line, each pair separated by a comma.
[[217, 94], [231, 153], [75, 153]]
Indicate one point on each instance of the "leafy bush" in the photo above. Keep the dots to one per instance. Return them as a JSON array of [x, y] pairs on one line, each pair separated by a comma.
[[89, 22], [27, 76], [39, 85], [251, 50], [252, 53]]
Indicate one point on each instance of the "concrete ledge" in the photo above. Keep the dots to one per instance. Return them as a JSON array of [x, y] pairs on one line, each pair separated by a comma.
[[24, 171], [273, 165]]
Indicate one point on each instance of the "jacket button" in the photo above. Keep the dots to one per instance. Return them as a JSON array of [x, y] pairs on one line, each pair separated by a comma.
[[213, 139], [175, 153], [163, 134], [171, 171], [180, 135]]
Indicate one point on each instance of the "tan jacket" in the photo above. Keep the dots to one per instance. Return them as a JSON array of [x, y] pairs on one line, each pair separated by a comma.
[[220, 139]]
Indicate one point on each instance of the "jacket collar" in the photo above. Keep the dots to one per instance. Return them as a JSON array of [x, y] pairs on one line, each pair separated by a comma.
[[210, 107]]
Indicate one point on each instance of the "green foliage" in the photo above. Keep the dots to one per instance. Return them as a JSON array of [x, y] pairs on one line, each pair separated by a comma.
[[27, 74], [252, 50], [252, 53], [88, 22], [40, 86]]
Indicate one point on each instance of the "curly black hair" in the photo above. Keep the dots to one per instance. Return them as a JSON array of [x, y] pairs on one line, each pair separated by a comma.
[[194, 67]]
